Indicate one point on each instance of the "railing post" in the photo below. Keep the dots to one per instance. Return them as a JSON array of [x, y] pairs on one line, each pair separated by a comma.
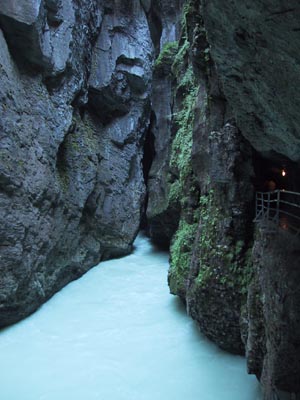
[[268, 205], [256, 205], [277, 207]]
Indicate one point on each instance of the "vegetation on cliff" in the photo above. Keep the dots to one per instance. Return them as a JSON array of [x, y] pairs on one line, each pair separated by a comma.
[[210, 266], [182, 187]]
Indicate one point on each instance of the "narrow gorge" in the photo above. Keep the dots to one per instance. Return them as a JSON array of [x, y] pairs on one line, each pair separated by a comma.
[[170, 117]]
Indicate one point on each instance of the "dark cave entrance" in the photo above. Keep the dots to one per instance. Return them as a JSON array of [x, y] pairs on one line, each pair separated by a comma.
[[148, 156], [279, 180], [276, 173]]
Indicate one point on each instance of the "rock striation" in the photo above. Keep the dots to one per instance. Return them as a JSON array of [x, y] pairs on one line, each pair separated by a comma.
[[272, 314], [75, 86], [255, 47], [232, 127], [163, 212]]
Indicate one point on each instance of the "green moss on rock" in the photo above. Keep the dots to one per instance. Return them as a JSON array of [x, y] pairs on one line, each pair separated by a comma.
[[164, 61], [222, 259], [183, 141], [183, 188], [181, 252]]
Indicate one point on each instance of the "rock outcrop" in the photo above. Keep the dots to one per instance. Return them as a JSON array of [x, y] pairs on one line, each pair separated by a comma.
[[163, 211], [232, 68], [272, 338], [214, 167], [255, 47], [75, 86]]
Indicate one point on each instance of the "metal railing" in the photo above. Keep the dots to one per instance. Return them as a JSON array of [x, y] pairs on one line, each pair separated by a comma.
[[282, 207]]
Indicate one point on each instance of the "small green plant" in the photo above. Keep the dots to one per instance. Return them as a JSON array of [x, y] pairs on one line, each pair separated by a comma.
[[221, 258], [164, 61], [179, 59], [182, 145], [181, 251]]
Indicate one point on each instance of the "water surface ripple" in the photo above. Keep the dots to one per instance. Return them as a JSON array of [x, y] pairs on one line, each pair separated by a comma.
[[117, 334]]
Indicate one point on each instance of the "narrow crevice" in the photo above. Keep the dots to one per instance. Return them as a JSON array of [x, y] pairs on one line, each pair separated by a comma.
[[62, 165], [148, 157], [155, 28]]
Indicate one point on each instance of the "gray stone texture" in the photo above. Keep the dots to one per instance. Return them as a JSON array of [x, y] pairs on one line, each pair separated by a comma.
[[272, 342], [40, 33], [255, 45], [222, 162], [71, 181], [24, 11], [122, 61], [163, 215], [75, 94]]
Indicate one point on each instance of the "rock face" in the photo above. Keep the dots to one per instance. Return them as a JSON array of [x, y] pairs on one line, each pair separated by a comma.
[[272, 340], [218, 276], [163, 212], [213, 232], [40, 32], [255, 47], [231, 127], [75, 85]]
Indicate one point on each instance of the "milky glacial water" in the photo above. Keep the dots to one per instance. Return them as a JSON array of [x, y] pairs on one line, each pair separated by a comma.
[[117, 334]]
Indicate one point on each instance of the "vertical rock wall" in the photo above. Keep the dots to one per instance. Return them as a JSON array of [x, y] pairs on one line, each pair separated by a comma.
[[272, 339], [75, 84], [254, 46], [209, 251], [229, 80], [163, 211]]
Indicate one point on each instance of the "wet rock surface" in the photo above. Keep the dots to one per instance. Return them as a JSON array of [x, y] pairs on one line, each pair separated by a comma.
[[243, 60], [217, 280], [71, 179], [273, 308], [163, 214], [255, 47]]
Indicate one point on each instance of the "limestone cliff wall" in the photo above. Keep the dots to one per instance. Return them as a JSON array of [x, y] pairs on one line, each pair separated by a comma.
[[75, 79], [232, 79], [255, 45]]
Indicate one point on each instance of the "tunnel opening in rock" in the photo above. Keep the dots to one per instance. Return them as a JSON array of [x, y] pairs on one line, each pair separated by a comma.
[[277, 185], [275, 173], [148, 156]]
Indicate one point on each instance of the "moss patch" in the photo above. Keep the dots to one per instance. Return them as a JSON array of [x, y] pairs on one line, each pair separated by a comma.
[[164, 61], [183, 141], [183, 188], [222, 259], [181, 251]]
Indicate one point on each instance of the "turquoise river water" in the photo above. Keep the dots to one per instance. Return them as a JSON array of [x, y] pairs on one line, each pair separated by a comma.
[[117, 334]]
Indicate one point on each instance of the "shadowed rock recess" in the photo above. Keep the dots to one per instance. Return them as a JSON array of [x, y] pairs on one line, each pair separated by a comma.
[[199, 100]]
